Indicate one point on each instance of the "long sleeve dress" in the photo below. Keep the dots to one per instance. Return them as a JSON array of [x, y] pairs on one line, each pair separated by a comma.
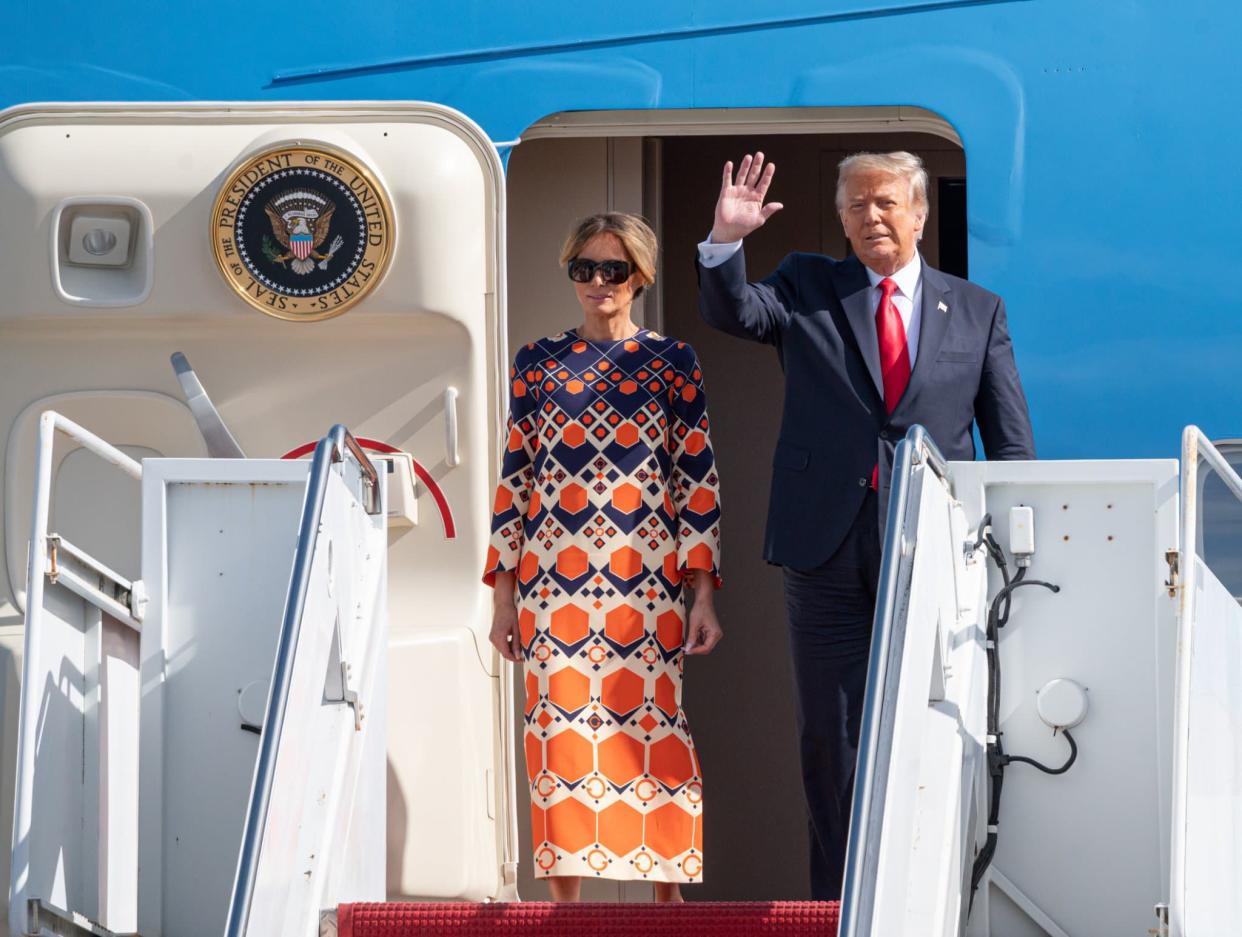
[[608, 495]]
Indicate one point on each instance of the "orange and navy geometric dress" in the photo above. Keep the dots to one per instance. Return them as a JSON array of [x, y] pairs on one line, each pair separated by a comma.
[[608, 494]]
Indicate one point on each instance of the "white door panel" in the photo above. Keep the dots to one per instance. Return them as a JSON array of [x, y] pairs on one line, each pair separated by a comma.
[[435, 323]]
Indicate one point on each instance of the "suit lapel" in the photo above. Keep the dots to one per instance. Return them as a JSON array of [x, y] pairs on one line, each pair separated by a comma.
[[937, 307], [855, 291]]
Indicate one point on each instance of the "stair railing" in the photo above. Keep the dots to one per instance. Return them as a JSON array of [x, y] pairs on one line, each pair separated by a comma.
[[875, 739], [333, 448], [52, 558], [1196, 447]]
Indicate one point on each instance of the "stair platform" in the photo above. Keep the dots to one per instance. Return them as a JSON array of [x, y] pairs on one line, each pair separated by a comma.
[[590, 919]]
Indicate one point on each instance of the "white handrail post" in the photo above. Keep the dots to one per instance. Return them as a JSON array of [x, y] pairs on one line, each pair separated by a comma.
[[1189, 485], [36, 564]]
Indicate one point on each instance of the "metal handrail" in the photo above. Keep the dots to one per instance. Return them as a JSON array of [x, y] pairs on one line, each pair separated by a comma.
[[1195, 445], [875, 735], [50, 423], [925, 447], [331, 449], [343, 441], [96, 566]]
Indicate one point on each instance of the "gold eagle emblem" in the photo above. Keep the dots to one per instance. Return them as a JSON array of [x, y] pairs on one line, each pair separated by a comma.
[[300, 222], [302, 231]]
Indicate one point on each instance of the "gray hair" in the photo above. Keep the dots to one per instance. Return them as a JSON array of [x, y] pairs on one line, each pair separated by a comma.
[[901, 164]]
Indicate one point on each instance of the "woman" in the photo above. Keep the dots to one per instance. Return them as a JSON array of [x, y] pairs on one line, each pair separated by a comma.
[[608, 503]]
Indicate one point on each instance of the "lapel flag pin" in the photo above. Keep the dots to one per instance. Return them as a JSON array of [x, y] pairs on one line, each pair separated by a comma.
[[942, 307]]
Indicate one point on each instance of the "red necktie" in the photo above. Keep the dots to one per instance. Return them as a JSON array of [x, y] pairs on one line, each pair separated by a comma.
[[894, 353]]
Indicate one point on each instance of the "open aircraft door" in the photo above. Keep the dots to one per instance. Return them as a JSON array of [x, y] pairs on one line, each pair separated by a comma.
[[320, 263]]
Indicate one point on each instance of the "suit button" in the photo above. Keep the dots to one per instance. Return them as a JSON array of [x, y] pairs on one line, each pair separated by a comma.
[[864, 482]]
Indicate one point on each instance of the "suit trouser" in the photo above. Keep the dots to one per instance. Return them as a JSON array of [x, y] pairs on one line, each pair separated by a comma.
[[830, 611]]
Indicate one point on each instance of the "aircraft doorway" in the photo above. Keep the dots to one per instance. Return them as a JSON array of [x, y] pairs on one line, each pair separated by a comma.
[[739, 699]]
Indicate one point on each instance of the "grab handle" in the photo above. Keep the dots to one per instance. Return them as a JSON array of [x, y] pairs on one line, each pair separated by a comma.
[[452, 456]]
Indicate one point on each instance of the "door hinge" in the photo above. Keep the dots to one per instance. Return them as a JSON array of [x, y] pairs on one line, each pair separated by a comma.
[[138, 599], [337, 688], [1173, 558], [1162, 917]]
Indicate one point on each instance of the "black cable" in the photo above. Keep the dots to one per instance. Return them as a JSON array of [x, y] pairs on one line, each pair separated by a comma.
[[984, 526], [998, 557], [995, 754], [1002, 615], [997, 554], [998, 617], [1010, 759], [1017, 582]]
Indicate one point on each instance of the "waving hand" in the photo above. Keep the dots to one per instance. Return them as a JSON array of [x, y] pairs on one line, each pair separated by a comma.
[[740, 209]]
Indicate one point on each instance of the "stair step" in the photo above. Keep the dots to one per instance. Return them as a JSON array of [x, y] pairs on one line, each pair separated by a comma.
[[590, 919]]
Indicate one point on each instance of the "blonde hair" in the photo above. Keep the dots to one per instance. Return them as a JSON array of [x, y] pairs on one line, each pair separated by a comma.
[[901, 164], [632, 231]]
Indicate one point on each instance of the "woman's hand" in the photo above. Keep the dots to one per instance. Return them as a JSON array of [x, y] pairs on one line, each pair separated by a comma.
[[703, 631], [740, 209], [504, 636]]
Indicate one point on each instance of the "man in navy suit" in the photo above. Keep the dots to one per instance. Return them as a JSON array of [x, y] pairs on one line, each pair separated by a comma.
[[870, 345]]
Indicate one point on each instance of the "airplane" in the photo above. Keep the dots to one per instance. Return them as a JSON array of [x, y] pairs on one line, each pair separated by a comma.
[[1062, 142]]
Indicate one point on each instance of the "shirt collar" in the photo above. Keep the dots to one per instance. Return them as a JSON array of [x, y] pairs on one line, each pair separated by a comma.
[[907, 278]]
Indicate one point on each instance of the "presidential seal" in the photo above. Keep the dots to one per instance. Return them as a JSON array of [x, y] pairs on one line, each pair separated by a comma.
[[302, 231]]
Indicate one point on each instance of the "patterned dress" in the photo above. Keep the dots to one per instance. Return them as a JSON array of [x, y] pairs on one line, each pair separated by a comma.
[[608, 494]]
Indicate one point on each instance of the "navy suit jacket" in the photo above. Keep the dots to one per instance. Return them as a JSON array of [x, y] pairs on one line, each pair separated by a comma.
[[834, 426]]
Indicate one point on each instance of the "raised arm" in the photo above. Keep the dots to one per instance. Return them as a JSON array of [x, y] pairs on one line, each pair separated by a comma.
[[757, 311]]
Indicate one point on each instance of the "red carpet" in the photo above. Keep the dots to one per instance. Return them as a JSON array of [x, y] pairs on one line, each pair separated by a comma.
[[547, 919]]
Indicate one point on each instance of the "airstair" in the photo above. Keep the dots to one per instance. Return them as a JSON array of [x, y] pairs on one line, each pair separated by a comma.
[[202, 750], [218, 724], [1086, 619], [1095, 789]]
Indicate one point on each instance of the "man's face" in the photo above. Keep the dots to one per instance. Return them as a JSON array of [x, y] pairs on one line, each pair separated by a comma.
[[882, 225]]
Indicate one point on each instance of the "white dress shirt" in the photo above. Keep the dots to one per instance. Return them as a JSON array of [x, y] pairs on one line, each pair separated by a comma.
[[908, 297]]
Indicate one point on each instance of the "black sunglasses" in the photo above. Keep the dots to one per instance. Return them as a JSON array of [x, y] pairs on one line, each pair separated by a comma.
[[611, 271]]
